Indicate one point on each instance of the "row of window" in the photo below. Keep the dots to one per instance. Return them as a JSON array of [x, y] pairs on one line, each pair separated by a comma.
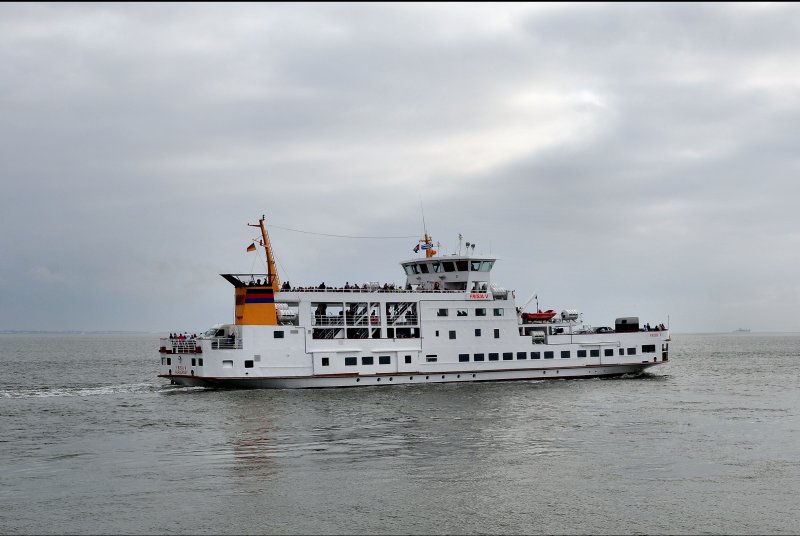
[[195, 361], [480, 311], [478, 332], [447, 266]]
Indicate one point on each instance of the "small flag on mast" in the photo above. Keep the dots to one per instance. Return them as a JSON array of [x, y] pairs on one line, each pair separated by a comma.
[[251, 247]]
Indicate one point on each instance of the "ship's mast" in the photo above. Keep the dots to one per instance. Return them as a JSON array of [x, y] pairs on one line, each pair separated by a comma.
[[272, 272]]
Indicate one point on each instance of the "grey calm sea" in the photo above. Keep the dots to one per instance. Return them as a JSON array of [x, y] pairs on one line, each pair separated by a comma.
[[92, 442]]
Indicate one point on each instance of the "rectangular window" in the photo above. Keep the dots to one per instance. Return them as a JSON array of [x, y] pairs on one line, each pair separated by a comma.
[[536, 355], [594, 353], [384, 360], [277, 334], [581, 353], [478, 332], [326, 361], [452, 334], [248, 363], [480, 312], [478, 357], [463, 358], [350, 361], [609, 352], [441, 312], [522, 355], [494, 356], [564, 354], [497, 334], [508, 356], [631, 351], [408, 359], [548, 355], [498, 312], [649, 349], [367, 360]]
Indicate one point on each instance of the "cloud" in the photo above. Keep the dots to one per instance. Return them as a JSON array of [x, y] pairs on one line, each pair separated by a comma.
[[623, 159]]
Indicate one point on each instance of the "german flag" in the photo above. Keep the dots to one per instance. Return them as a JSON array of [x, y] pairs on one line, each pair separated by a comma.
[[251, 247], [259, 295]]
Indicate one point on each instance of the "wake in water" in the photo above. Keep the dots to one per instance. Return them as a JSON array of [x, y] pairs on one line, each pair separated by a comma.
[[95, 390]]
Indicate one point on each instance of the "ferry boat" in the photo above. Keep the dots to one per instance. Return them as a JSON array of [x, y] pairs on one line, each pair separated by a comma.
[[448, 323]]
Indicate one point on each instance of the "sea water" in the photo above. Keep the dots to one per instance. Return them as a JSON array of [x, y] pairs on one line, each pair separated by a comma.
[[91, 441]]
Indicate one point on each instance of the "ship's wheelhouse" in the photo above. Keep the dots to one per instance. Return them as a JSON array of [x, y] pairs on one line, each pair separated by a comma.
[[450, 273]]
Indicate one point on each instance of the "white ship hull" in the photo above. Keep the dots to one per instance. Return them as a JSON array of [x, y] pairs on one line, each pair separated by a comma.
[[411, 379]]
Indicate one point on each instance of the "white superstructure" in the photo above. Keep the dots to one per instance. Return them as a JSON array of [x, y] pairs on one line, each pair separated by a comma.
[[449, 323]]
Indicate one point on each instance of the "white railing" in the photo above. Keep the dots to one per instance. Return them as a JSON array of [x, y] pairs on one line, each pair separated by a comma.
[[224, 343]]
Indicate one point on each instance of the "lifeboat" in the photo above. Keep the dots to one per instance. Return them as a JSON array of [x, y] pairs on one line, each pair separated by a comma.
[[539, 316]]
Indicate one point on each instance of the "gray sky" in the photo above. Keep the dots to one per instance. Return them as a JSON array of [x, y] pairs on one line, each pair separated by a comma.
[[622, 160]]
